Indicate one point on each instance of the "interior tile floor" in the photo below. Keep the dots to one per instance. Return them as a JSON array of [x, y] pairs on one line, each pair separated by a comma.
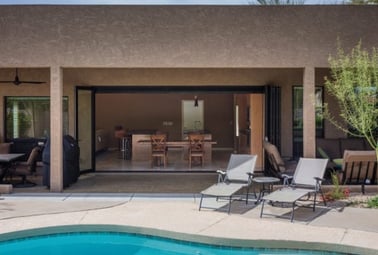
[[111, 160]]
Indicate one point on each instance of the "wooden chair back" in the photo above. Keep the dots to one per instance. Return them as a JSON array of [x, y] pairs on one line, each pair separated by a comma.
[[158, 143], [196, 148], [159, 149], [196, 143]]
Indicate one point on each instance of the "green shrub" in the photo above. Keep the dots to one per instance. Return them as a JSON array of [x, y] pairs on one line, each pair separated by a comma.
[[373, 202]]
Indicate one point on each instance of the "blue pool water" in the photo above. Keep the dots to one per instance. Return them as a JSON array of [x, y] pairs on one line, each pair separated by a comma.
[[121, 243]]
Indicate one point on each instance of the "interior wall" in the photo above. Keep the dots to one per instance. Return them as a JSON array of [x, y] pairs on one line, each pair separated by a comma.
[[153, 111]]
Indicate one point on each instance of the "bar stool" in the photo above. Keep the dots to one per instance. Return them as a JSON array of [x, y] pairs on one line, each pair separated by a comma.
[[119, 134]]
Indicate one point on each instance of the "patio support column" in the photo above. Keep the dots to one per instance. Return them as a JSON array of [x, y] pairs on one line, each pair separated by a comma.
[[56, 129], [309, 128]]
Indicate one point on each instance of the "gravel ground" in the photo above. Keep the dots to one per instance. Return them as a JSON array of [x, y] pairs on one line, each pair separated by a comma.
[[357, 200]]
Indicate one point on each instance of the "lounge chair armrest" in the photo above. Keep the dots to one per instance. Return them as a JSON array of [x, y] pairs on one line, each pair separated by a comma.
[[250, 177], [286, 179], [318, 179], [221, 175], [318, 182]]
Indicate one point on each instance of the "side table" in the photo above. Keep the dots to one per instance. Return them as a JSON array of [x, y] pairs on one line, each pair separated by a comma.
[[266, 185]]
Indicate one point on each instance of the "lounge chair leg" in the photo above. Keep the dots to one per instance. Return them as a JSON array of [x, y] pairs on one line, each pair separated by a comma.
[[246, 198], [324, 200], [200, 205], [292, 212], [229, 205], [259, 198], [262, 208]]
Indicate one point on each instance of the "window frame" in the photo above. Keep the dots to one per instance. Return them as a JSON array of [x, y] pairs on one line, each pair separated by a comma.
[[46, 99]]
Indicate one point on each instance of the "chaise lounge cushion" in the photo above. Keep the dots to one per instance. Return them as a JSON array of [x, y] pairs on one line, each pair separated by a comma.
[[273, 151], [276, 166]]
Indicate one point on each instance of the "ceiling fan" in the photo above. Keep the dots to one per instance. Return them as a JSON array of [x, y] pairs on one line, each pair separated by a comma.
[[17, 80]]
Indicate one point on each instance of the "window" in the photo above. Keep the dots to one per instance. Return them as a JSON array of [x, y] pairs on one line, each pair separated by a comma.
[[298, 117], [30, 117]]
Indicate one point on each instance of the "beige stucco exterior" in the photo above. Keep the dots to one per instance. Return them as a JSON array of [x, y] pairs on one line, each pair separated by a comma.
[[177, 45]]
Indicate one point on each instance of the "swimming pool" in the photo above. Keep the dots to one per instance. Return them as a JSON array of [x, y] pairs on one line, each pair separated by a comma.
[[124, 243]]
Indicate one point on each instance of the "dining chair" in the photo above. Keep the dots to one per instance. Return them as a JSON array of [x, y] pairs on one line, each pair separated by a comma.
[[159, 149], [196, 148], [27, 168]]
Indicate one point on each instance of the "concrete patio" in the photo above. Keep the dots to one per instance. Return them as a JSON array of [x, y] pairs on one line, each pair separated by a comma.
[[344, 229]]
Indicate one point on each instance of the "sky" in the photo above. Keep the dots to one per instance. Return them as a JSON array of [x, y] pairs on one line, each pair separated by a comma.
[[151, 2]]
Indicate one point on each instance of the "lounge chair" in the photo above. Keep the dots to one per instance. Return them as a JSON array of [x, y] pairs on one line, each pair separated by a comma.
[[307, 180], [359, 167], [238, 175]]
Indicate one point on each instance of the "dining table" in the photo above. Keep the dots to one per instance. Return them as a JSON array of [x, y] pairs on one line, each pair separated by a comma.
[[6, 162], [142, 150]]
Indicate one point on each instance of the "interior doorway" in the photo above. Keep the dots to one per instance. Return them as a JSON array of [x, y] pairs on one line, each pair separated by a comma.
[[192, 116]]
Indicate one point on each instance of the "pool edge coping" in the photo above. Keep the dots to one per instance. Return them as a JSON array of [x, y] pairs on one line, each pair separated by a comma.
[[186, 237]]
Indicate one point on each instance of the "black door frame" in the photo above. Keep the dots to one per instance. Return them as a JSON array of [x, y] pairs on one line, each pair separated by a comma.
[[235, 89]]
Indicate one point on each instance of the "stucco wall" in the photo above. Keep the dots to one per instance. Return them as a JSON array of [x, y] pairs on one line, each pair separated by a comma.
[[179, 45], [181, 36]]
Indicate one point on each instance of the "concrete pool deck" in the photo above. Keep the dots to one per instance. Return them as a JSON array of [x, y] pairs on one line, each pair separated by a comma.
[[345, 229]]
